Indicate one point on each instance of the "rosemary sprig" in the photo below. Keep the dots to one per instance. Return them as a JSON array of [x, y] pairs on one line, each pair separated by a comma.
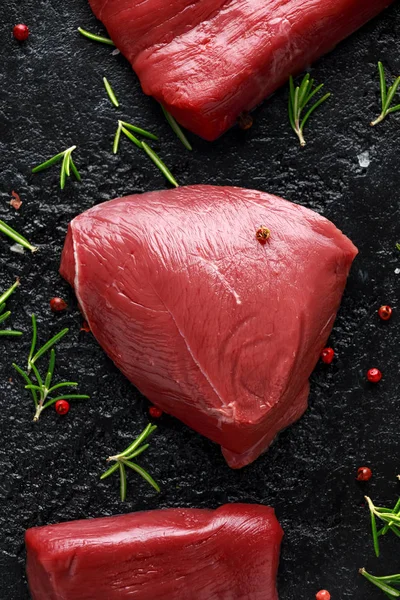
[[67, 165], [299, 98], [387, 95], [391, 518], [110, 92], [176, 128], [95, 38], [127, 129], [384, 583], [17, 237], [123, 460], [41, 387], [5, 315]]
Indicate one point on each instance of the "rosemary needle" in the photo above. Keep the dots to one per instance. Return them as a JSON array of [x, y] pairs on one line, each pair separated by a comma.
[[387, 95], [17, 237], [384, 583], [131, 137], [139, 130], [159, 163], [176, 129], [6, 295], [95, 38], [299, 98], [5, 315], [110, 92]]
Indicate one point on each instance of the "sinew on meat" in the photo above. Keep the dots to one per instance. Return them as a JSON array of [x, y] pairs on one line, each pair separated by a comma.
[[213, 327], [209, 60], [231, 553]]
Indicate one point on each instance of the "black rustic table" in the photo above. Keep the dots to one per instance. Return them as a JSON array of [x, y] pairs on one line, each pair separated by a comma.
[[52, 96]]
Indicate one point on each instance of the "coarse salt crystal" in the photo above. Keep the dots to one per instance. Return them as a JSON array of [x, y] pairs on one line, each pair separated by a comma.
[[364, 159], [17, 248]]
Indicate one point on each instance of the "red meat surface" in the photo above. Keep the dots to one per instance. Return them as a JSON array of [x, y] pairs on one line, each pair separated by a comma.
[[212, 326], [209, 60], [231, 553]]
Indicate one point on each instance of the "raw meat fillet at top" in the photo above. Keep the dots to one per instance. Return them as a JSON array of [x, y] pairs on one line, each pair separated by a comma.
[[212, 326], [209, 60]]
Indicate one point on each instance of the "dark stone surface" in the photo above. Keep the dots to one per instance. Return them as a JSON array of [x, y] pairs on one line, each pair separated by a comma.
[[52, 96]]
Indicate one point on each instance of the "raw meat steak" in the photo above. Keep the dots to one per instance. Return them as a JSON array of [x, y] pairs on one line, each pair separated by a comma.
[[231, 553], [212, 326], [209, 60]]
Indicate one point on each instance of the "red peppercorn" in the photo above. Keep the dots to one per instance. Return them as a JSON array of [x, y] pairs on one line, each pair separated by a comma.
[[364, 474], [85, 327], [245, 120], [263, 234], [327, 355], [323, 595], [21, 32], [58, 304], [155, 412], [374, 375], [62, 407], [385, 312]]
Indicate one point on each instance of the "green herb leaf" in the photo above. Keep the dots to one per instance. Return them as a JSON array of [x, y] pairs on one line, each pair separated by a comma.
[[5, 316], [382, 79], [10, 333], [141, 472], [123, 460], [122, 472], [95, 38], [75, 171], [17, 237], [131, 137], [61, 385], [110, 471], [6, 295], [159, 163], [382, 583], [110, 92], [299, 97], [67, 165], [176, 128], [137, 452], [139, 130], [50, 370], [34, 339], [117, 138], [48, 345], [28, 381], [48, 163], [387, 95], [137, 442]]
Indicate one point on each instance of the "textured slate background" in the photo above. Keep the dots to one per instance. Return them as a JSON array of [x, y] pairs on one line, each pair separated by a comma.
[[52, 96]]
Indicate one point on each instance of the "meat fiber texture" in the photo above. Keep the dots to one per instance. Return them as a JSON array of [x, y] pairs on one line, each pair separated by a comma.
[[207, 61], [231, 553], [212, 326]]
